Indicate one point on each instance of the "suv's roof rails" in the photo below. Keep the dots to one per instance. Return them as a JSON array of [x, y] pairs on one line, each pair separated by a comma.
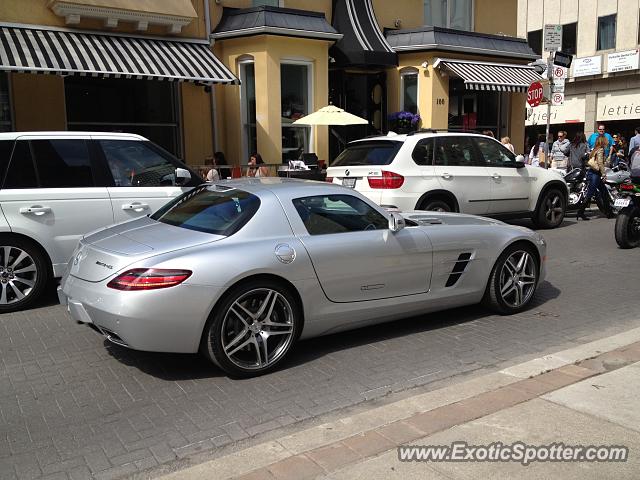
[[424, 130]]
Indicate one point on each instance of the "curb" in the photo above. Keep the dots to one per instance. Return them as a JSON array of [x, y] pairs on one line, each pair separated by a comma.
[[326, 447]]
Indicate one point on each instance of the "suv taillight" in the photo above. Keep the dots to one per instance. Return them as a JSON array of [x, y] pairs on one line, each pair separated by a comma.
[[387, 180], [148, 279]]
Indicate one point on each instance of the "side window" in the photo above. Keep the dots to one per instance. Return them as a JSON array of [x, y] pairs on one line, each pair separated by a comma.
[[494, 154], [455, 151], [21, 173], [62, 163], [6, 147], [325, 214], [423, 152], [134, 163]]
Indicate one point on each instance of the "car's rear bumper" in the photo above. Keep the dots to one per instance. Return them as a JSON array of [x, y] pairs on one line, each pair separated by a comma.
[[164, 320]]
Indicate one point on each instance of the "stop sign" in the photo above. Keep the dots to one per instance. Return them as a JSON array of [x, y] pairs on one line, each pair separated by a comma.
[[535, 93]]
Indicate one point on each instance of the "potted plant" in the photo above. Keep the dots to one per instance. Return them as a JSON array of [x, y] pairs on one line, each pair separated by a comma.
[[404, 122]]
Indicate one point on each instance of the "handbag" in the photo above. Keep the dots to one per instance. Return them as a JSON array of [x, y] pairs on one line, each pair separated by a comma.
[[593, 165]]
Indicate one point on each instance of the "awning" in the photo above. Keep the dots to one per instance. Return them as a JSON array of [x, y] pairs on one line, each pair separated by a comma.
[[363, 43], [39, 49], [500, 77]]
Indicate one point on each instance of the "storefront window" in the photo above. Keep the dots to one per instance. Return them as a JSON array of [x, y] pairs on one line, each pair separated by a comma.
[[409, 91], [295, 97], [449, 13], [5, 104], [248, 99], [145, 107], [472, 109]]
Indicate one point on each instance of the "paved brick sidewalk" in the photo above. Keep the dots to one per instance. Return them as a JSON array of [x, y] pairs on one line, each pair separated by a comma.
[[73, 406]]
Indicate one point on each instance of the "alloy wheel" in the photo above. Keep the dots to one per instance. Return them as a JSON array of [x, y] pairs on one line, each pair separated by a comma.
[[257, 329], [18, 274], [518, 278], [553, 208]]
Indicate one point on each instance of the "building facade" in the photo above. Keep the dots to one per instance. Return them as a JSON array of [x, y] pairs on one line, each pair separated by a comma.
[[603, 83], [198, 76]]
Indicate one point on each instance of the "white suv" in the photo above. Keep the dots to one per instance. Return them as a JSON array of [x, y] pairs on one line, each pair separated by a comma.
[[453, 172], [57, 186]]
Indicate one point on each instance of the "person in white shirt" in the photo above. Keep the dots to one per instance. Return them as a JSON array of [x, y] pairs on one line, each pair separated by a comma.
[[506, 141]]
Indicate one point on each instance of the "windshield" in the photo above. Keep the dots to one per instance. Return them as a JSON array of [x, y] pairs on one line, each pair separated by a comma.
[[368, 153], [210, 209]]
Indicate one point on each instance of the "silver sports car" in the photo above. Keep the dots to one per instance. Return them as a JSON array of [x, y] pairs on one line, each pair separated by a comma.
[[240, 270]]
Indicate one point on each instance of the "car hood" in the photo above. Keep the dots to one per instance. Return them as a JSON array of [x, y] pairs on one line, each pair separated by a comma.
[[105, 252], [422, 217]]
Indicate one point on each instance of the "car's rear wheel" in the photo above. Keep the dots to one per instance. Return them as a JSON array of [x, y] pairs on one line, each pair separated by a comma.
[[551, 209], [253, 329], [436, 205], [513, 280], [23, 274]]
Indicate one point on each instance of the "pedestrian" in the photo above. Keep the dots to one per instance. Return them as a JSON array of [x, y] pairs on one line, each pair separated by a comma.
[[578, 151], [618, 150], [536, 154], [596, 172], [257, 167], [210, 172], [560, 151], [488, 133], [634, 142], [506, 141], [221, 165], [601, 133]]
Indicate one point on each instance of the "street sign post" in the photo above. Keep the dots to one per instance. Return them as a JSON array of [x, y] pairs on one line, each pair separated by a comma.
[[535, 93], [552, 38]]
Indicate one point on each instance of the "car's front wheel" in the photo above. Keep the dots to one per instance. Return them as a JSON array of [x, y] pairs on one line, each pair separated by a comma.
[[253, 329], [513, 280], [551, 209], [23, 274]]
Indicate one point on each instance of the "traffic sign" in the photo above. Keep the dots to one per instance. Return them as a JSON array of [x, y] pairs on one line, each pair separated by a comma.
[[535, 93], [557, 98], [559, 72], [552, 38], [558, 85], [562, 59]]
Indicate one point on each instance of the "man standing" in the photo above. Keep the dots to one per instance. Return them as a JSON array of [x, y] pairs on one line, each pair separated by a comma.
[[594, 136], [634, 142], [560, 151]]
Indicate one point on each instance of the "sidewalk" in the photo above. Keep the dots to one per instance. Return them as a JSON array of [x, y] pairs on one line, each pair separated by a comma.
[[582, 396]]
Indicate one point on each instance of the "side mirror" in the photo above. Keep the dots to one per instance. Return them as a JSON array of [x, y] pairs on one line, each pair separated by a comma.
[[520, 161], [396, 222], [182, 176]]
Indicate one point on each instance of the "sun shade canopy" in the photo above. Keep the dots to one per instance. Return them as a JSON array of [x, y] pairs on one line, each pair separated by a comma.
[[490, 76], [31, 49]]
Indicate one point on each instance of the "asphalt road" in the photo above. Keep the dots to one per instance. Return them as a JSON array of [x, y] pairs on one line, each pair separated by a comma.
[[74, 406]]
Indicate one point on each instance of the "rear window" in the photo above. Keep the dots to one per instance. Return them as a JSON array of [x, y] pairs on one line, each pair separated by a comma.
[[368, 153], [210, 210]]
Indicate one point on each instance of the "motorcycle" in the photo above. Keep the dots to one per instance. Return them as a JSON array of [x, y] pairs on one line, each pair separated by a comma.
[[577, 182], [627, 230]]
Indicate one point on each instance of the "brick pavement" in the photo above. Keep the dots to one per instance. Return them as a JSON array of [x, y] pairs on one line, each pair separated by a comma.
[[72, 406]]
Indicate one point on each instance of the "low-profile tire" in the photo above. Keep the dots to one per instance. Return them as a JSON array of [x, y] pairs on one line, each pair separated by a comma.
[[627, 230], [24, 273], [436, 205], [253, 328], [513, 280], [551, 209]]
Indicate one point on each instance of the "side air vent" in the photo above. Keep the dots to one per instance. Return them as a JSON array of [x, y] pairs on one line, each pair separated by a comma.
[[458, 269]]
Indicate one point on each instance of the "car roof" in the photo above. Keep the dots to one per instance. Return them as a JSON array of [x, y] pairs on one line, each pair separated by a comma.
[[65, 133], [394, 137]]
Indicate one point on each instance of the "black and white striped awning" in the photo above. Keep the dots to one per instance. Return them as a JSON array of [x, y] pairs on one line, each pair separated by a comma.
[[490, 76], [35, 49]]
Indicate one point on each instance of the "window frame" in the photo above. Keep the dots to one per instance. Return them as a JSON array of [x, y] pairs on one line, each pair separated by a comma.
[[475, 161], [537, 32], [404, 73], [310, 100], [472, 25], [615, 32], [244, 121]]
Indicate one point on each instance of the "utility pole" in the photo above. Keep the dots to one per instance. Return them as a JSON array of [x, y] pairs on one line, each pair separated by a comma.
[[547, 161]]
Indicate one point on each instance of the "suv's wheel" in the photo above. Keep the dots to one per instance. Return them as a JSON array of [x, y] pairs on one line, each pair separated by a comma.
[[436, 205], [551, 209], [513, 280], [253, 328], [23, 274]]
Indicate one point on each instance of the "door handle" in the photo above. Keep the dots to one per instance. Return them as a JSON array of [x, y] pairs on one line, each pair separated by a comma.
[[35, 209], [447, 176], [496, 176], [135, 206]]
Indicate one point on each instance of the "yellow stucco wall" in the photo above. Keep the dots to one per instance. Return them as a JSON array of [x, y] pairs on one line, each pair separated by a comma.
[[409, 12], [268, 52], [38, 102], [496, 16], [196, 124]]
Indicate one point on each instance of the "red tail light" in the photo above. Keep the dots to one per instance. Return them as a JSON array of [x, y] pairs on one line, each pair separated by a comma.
[[329, 179], [387, 180], [626, 186], [148, 279]]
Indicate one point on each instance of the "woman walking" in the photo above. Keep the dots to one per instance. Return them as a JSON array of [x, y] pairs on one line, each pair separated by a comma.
[[595, 174]]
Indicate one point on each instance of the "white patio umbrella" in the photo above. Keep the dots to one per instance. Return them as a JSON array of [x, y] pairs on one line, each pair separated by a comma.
[[331, 115]]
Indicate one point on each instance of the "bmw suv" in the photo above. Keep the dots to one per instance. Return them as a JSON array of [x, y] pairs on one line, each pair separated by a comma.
[[452, 172], [57, 186]]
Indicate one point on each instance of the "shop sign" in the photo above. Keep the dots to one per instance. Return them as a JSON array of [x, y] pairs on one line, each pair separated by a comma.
[[622, 61], [572, 111], [618, 106], [587, 66]]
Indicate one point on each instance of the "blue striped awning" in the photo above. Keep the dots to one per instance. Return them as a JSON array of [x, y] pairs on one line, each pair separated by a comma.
[[36, 49], [491, 76]]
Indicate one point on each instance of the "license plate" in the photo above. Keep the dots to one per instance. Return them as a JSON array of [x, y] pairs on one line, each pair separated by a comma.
[[622, 202], [349, 182]]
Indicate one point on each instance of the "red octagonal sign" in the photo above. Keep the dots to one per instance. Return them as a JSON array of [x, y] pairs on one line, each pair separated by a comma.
[[535, 94]]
